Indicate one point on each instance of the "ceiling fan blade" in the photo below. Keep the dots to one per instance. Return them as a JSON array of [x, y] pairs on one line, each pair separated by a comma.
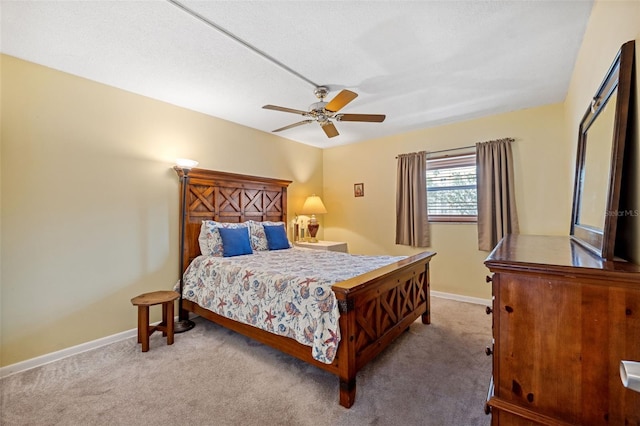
[[300, 123], [283, 109], [330, 129], [341, 99], [370, 118]]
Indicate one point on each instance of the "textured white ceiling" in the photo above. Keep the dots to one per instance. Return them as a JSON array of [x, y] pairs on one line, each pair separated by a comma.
[[422, 63]]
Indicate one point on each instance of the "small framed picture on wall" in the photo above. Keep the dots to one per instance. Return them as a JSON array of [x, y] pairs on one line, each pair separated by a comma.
[[358, 189]]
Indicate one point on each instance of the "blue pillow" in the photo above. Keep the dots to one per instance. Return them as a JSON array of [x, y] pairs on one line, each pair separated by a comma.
[[235, 241], [276, 237]]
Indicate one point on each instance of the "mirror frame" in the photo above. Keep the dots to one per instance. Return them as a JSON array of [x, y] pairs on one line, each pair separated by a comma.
[[602, 241]]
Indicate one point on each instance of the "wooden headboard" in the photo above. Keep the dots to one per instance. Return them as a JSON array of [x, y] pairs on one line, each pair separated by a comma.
[[228, 197]]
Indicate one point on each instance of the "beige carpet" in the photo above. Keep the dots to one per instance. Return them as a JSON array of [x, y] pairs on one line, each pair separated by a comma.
[[432, 375]]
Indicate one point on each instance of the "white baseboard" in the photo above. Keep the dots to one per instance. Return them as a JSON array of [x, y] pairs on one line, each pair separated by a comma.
[[19, 367], [94, 344], [460, 298], [67, 352]]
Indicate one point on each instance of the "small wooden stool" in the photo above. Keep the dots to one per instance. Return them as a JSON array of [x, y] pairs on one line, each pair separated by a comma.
[[143, 302]]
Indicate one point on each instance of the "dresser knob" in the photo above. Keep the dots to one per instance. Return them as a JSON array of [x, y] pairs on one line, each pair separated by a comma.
[[488, 351], [489, 311], [488, 279]]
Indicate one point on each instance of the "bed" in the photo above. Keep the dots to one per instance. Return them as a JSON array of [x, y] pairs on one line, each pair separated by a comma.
[[374, 307]]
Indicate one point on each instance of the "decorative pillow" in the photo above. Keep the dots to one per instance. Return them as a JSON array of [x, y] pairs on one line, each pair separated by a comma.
[[235, 241], [276, 237], [210, 240], [258, 237]]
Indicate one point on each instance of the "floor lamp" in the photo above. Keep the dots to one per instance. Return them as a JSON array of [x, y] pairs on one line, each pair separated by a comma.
[[184, 323]]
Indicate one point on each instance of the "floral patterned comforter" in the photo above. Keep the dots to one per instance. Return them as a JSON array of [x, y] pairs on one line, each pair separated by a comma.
[[286, 292]]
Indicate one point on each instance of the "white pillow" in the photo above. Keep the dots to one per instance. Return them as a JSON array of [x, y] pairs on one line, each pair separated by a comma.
[[209, 238], [257, 235]]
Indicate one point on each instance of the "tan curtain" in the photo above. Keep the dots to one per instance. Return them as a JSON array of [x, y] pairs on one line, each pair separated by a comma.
[[412, 224], [497, 215]]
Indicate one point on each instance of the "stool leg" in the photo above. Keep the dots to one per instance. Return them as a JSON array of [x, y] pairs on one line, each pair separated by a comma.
[[143, 327], [164, 319], [169, 322], [139, 324]]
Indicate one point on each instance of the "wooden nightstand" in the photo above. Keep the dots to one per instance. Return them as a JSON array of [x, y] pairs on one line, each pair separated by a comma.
[[324, 245]]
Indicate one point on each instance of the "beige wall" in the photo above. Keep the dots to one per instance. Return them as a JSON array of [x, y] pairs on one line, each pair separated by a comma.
[[90, 202], [544, 156], [611, 24], [1, 127], [368, 223]]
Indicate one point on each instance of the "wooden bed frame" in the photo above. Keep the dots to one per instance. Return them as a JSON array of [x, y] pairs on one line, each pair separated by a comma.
[[375, 307]]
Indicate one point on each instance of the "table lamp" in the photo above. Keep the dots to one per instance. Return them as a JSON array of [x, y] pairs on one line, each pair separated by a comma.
[[312, 206]]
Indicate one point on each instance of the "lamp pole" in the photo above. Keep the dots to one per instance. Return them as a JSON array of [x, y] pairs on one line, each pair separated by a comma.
[[184, 323]]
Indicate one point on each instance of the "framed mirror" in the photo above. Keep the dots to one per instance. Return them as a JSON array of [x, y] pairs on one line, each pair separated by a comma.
[[601, 141]]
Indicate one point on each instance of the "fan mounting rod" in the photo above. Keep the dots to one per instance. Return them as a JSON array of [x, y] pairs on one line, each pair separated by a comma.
[[321, 92]]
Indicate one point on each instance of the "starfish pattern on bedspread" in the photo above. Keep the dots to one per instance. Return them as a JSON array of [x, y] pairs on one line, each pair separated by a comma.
[[280, 291]]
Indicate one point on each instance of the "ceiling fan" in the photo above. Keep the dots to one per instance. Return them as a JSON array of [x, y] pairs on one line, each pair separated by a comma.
[[324, 112]]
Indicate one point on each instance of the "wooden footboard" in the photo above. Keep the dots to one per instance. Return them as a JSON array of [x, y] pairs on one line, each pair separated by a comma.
[[375, 308]]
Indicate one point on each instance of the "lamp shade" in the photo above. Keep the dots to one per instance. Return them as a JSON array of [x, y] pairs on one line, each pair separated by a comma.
[[186, 164], [313, 205]]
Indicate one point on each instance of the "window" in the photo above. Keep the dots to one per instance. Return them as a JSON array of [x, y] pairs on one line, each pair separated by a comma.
[[451, 189]]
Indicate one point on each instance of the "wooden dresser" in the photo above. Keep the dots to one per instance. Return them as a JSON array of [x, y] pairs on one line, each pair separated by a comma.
[[563, 319]]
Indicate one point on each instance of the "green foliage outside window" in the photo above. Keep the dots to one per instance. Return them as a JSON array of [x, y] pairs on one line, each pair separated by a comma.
[[451, 191]]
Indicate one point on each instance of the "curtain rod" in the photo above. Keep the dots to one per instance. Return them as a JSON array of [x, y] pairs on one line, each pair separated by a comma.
[[465, 147], [451, 149]]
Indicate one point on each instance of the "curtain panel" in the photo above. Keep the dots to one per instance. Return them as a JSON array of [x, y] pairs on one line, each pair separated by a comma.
[[497, 215], [412, 223]]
